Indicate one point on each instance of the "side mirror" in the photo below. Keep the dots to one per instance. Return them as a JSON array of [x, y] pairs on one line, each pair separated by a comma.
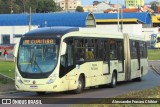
[[63, 49], [15, 50]]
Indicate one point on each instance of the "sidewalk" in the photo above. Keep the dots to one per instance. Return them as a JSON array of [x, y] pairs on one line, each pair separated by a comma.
[[155, 65]]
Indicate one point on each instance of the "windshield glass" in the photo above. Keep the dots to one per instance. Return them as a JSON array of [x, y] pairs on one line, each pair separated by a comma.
[[153, 38], [37, 55]]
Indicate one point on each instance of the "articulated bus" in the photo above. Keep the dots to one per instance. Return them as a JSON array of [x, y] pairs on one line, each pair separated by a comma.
[[71, 59]]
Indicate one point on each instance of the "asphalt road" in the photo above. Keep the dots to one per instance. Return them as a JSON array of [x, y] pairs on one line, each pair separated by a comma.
[[149, 81]]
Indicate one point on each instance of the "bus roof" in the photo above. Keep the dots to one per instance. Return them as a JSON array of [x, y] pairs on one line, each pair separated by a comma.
[[51, 31], [91, 32]]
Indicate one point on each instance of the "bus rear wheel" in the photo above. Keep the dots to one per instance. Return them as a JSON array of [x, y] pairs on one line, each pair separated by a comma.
[[80, 86], [113, 80]]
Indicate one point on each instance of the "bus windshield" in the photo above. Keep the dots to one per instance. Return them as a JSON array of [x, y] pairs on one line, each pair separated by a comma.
[[37, 55], [153, 39]]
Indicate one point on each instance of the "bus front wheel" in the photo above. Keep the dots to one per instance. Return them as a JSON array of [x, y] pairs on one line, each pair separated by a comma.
[[80, 86]]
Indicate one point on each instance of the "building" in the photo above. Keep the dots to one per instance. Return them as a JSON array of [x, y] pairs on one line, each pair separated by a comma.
[[135, 29], [97, 7], [134, 3], [103, 6], [13, 26], [156, 20], [11, 34], [143, 18], [69, 5], [149, 31], [124, 10], [89, 8], [131, 10]]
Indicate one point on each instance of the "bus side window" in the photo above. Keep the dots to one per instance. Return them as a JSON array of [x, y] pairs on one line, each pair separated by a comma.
[[113, 50], [133, 49], [90, 49], [79, 49], [99, 50], [120, 50], [105, 51]]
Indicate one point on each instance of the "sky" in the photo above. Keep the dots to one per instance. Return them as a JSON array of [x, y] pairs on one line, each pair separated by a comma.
[[87, 2]]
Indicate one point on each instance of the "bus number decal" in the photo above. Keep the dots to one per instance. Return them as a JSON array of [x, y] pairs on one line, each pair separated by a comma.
[[39, 41], [94, 67]]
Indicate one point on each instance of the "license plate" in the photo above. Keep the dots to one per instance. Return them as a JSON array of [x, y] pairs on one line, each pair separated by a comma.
[[33, 86]]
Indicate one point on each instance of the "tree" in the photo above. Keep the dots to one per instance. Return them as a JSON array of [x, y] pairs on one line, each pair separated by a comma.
[[95, 2], [79, 9], [23, 6], [23, 2], [154, 5]]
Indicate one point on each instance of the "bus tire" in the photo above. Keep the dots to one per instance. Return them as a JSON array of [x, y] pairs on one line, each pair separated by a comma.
[[113, 80], [40, 93], [80, 86]]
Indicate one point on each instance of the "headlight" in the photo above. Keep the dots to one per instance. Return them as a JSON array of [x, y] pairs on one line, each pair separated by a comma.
[[18, 79], [52, 79]]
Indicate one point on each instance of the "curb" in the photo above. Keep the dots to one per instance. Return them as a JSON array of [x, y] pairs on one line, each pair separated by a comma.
[[5, 76], [155, 69], [9, 92], [154, 60]]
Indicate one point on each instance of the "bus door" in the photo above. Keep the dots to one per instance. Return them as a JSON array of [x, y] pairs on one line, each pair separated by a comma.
[[105, 56], [127, 57], [120, 56], [138, 55], [67, 64]]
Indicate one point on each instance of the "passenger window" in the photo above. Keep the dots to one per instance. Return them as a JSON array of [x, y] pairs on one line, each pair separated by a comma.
[[133, 49], [84, 49], [99, 49], [106, 50], [79, 49], [90, 49], [113, 49], [120, 50], [143, 50]]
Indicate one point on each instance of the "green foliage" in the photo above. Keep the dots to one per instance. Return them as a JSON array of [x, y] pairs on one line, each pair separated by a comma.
[[79, 9], [23, 6], [154, 54], [7, 68], [154, 5]]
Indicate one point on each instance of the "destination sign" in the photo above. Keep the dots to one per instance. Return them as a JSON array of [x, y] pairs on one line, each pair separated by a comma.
[[38, 41]]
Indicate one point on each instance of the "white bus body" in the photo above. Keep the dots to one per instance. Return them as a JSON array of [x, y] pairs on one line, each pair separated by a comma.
[[84, 58]]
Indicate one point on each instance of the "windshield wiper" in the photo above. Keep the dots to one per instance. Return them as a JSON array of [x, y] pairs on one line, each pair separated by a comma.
[[33, 63]]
